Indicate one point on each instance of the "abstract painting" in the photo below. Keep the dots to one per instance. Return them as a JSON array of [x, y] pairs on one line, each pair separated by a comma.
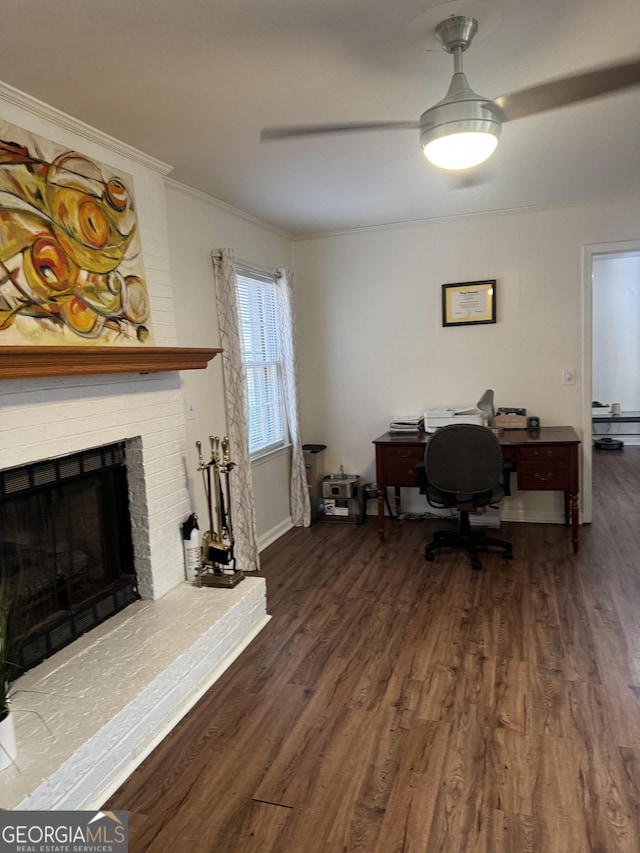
[[71, 268]]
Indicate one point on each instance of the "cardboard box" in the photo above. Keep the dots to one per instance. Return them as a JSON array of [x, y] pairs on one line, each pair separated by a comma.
[[510, 421], [336, 507]]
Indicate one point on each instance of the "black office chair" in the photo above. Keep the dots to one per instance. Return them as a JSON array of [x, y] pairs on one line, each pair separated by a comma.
[[462, 469]]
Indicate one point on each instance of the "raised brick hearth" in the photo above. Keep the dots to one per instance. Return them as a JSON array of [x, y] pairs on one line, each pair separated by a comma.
[[86, 717]]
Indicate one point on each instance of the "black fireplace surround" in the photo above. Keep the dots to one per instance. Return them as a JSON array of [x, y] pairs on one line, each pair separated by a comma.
[[66, 554]]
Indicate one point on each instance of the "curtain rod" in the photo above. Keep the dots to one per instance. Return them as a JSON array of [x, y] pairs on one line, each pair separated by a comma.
[[246, 266]]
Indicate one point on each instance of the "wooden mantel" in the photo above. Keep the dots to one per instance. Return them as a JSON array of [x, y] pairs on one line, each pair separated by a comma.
[[27, 362]]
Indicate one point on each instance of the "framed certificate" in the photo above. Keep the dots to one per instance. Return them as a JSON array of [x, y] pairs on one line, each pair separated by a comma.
[[469, 302]]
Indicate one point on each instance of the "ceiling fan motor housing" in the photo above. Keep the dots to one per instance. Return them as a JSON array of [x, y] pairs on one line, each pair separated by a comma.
[[460, 111], [456, 31], [461, 114]]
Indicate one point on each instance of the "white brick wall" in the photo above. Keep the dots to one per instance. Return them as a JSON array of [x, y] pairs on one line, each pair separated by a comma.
[[44, 418]]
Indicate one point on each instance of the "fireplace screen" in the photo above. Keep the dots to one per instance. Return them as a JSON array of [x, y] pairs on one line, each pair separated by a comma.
[[65, 546]]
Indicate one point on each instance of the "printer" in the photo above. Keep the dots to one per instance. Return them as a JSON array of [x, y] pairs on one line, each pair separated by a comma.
[[481, 414], [434, 418]]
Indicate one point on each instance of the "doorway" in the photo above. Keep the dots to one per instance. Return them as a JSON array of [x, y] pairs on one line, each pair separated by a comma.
[[598, 273]]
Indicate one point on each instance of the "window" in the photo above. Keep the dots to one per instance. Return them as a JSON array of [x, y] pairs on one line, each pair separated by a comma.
[[256, 296]]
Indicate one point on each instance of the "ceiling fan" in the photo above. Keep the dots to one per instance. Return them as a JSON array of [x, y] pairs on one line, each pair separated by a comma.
[[462, 130]]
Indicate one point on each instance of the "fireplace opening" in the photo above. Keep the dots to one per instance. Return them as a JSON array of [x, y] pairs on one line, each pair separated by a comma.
[[66, 552]]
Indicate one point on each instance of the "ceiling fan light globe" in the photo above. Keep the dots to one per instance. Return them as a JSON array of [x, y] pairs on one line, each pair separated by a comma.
[[460, 150], [462, 130]]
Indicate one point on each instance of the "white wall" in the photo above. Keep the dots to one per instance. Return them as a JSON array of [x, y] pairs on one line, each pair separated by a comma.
[[372, 341], [616, 336], [199, 225]]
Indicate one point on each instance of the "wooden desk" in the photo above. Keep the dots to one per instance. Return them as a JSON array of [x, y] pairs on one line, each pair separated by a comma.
[[544, 460]]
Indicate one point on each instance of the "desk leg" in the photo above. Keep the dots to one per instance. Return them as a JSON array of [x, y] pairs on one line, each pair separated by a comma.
[[571, 517], [575, 527], [381, 494]]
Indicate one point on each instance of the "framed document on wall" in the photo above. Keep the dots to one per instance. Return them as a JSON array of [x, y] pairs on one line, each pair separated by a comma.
[[468, 303]]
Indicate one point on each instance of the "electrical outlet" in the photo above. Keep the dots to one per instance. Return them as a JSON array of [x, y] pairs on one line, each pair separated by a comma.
[[568, 376]]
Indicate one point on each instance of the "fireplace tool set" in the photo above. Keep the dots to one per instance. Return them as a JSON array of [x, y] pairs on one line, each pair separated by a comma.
[[218, 562]]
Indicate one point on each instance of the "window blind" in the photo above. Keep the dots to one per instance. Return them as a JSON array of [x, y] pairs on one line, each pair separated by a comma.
[[261, 356]]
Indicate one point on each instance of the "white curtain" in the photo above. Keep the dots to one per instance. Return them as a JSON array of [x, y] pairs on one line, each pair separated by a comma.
[[243, 512], [300, 503]]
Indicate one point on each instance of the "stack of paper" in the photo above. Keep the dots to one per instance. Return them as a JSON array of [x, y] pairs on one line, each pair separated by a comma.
[[407, 423]]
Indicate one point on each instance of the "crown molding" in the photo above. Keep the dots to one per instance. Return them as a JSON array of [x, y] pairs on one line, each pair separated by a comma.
[[470, 215], [185, 189], [46, 111]]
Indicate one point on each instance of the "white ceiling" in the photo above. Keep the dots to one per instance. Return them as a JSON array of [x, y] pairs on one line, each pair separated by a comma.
[[192, 82]]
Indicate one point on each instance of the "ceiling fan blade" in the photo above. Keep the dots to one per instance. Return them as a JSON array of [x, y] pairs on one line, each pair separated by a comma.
[[569, 90], [292, 131]]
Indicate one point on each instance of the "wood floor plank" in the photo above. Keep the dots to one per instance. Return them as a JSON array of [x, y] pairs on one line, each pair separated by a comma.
[[462, 791], [509, 833], [558, 785], [409, 814], [260, 828], [578, 638], [548, 703], [397, 706], [631, 768]]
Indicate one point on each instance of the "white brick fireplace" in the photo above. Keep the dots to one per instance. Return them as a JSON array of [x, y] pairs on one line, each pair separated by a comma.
[[51, 417], [40, 419], [44, 418]]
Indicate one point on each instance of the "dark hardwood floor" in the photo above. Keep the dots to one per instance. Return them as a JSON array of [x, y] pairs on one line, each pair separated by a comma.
[[397, 705]]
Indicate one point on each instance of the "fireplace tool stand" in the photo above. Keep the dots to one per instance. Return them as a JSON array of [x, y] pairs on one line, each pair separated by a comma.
[[218, 561]]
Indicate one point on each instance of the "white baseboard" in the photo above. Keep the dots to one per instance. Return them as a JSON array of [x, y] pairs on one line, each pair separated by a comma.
[[276, 532], [528, 517], [520, 515]]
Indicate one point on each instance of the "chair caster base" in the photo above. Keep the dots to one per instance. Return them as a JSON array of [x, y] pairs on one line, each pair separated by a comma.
[[469, 543]]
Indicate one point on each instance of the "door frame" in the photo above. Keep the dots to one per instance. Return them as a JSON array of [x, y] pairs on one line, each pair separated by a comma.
[[589, 251]]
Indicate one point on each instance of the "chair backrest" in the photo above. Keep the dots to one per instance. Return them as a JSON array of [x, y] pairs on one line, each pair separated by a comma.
[[463, 459]]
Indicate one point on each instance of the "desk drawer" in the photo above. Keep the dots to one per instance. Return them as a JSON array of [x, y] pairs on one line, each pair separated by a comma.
[[400, 465], [543, 453], [552, 476]]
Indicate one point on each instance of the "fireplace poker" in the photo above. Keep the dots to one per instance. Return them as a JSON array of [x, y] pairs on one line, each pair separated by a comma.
[[215, 461], [219, 551], [207, 536], [227, 466]]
